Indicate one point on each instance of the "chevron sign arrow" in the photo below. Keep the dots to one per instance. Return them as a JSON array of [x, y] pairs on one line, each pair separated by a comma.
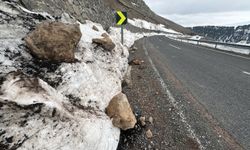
[[121, 18]]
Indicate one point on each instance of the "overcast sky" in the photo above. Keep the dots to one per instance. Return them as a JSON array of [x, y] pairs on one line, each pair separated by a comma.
[[203, 12]]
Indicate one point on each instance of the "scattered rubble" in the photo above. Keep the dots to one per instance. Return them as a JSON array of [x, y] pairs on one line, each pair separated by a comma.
[[133, 48], [120, 112], [149, 134], [127, 78], [151, 120], [54, 41], [136, 62], [143, 121]]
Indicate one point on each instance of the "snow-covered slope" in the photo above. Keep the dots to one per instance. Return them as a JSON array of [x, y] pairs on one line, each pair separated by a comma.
[[239, 34]]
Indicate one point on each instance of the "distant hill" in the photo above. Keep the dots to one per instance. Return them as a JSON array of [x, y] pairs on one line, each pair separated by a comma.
[[239, 34]]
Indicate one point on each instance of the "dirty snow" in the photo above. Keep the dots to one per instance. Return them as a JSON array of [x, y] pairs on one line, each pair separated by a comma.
[[97, 78], [70, 114]]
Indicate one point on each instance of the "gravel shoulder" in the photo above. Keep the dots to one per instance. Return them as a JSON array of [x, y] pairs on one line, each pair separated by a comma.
[[149, 99]]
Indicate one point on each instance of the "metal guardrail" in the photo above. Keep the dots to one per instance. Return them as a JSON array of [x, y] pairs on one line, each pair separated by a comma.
[[218, 43]]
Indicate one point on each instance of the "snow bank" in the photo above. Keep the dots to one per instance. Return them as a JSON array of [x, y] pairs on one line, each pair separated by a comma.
[[150, 26], [70, 115], [97, 77], [130, 37], [234, 49]]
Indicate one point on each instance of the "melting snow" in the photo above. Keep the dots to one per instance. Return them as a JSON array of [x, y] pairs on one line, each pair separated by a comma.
[[150, 26]]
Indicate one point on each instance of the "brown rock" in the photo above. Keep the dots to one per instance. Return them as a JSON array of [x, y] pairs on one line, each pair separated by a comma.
[[136, 62], [54, 41], [95, 28], [149, 134], [143, 121], [105, 42], [120, 111]]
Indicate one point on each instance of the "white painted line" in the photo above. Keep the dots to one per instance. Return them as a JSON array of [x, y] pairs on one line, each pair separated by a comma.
[[247, 73], [173, 101], [174, 46]]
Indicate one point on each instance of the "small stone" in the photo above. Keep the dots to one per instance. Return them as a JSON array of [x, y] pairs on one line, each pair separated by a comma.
[[95, 28], [127, 78], [156, 93], [136, 62], [133, 48], [149, 134], [143, 121], [149, 146], [151, 120], [105, 42], [105, 35]]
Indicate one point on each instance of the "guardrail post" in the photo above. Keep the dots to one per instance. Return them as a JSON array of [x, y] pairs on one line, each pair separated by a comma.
[[215, 46]]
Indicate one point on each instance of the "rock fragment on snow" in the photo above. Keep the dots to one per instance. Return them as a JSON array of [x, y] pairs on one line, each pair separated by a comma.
[[95, 28], [54, 41], [105, 42], [120, 111]]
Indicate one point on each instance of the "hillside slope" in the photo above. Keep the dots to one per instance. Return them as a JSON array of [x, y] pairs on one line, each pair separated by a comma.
[[101, 11], [239, 34]]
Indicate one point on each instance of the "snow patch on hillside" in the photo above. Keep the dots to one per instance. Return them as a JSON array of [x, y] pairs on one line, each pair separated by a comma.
[[150, 26]]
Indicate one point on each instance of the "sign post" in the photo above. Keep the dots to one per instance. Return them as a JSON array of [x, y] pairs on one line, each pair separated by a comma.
[[122, 36], [121, 20]]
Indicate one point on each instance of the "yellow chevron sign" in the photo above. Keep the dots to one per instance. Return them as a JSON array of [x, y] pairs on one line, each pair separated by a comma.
[[121, 18]]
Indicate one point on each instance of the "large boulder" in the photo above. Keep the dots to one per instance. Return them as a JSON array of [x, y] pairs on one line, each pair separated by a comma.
[[54, 41], [120, 111], [105, 42]]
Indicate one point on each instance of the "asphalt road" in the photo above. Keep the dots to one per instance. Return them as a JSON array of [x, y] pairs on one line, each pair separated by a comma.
[[218, 80]]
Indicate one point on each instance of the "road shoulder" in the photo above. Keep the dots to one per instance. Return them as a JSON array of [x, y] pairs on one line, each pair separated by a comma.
[[148, 99]]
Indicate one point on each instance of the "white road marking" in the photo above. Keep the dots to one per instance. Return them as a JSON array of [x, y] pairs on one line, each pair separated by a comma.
[[247, 73], [174, 46], [173, 101]]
